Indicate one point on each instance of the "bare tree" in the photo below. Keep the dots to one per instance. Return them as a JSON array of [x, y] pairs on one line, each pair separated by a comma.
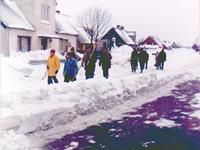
[[95, 22]]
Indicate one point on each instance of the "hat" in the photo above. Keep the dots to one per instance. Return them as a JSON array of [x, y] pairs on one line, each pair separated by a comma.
[[52, 51], [72, 49], [68, 53]]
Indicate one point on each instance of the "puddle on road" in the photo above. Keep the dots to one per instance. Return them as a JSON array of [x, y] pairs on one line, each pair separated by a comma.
[[163, 124]]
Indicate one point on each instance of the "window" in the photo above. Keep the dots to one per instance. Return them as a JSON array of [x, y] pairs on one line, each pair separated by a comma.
[[45, 10], [24, 43]]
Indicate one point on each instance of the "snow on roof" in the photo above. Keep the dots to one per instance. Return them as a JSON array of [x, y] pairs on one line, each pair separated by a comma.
[[124, 35], [13, 17], [157, 40], [82, 36], [63, 25]]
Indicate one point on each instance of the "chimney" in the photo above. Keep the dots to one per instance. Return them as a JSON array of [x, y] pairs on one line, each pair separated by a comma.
[[118, 26], [58, 11]]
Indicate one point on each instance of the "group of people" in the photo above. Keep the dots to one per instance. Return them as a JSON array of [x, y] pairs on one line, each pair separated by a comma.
[[71, 68], [141, 57], [89, 62], [160, 58]]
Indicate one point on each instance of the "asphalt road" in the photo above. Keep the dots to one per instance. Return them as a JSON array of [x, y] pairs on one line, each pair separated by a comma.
[[164, 124]]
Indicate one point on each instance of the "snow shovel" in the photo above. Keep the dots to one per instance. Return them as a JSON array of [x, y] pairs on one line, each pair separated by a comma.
[[125, 62], [77, 72], [44, 76]]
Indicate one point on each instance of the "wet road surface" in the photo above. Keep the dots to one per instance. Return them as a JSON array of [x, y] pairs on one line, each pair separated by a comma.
[[164, 124]]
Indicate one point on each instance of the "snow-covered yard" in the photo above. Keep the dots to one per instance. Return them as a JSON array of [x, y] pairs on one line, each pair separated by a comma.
[[29, 105]]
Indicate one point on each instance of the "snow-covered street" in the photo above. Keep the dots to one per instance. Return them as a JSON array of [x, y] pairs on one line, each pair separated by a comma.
[[33, 111]]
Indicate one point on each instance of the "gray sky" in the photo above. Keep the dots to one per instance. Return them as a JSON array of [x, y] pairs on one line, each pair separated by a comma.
[[174, 20]]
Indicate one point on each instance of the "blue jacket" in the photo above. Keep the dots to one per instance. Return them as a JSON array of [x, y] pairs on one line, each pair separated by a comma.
[[70, 67]]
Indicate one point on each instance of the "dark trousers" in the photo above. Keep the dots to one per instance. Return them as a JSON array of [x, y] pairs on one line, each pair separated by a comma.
[[157, 65], [134, 68], [141, 66], [105, 73], [68, 78], [89, 73], [161, 65], [51, 79], [146, 64]]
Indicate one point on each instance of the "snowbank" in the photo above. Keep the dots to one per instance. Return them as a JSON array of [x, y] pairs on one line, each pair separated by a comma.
[[12, 141]]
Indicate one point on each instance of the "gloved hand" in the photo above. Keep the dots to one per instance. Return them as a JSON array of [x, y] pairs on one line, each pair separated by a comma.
[[82, 64], [56, 71], [47, 67]]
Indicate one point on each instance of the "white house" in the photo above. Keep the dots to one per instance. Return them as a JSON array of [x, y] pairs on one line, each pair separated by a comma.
[[33, 25]]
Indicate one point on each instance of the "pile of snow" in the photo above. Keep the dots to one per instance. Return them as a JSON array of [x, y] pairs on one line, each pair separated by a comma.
[[73, 145], [120, 56], [50, 106], [162, 122], [9, 140]]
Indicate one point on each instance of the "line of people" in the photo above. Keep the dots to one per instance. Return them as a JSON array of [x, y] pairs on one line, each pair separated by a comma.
[[141, 57], [71, 68]]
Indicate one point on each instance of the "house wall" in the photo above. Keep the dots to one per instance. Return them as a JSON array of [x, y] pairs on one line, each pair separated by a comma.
[[35, 41], [13, 41], [71, 38], [55, 44], [41, 26], [32, 11], [4, 41]]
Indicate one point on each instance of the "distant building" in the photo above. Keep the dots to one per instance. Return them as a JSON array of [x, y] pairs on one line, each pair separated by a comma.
[[176, 45], [117, 36], [151, 40], [27, 25], [154, 42]]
